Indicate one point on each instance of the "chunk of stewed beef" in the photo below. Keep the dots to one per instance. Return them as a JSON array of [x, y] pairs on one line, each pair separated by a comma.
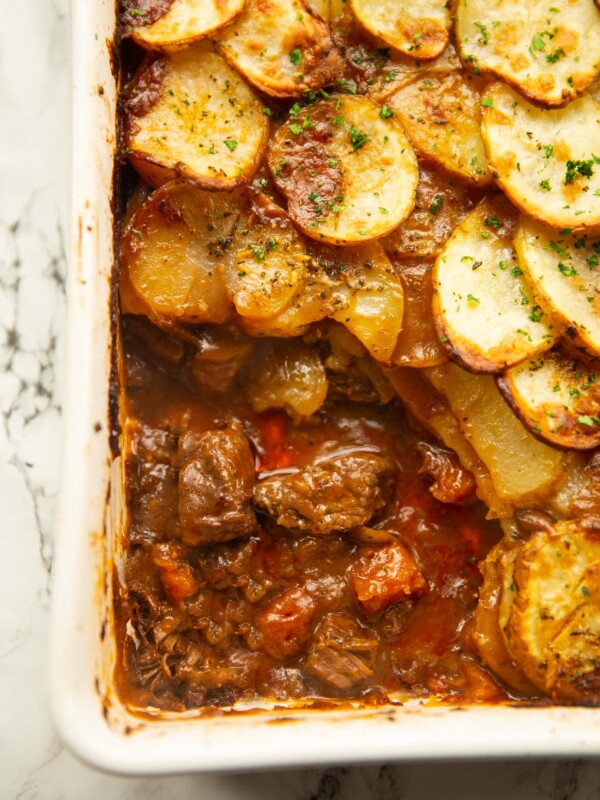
[[215, 486], [452, 483], [342, 653], [327, 497]]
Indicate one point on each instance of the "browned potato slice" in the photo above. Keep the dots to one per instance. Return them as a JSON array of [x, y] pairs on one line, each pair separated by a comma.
[[554, 624], [320, 7], [550, 53], [441, 203], [418, 344], [346, 168], [487, 635], [432, 411], [286, 374], [173, 247], [186, 22], [564, 269], [524, 470], [282, 48], [545, 160], [441, 116], [418, 29], [483, 307], [269, 266], [557, 397], [190, 114]]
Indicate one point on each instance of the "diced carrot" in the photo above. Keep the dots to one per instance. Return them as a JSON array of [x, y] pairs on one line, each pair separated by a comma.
[[286, 623]]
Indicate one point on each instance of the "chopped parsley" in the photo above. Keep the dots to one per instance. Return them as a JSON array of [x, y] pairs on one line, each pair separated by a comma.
[[386, 112], [436, 204], [231, 144], [296, 57], [575, 168], [357, 138]]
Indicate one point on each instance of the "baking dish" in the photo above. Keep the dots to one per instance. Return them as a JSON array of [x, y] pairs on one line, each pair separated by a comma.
[[88, 715]]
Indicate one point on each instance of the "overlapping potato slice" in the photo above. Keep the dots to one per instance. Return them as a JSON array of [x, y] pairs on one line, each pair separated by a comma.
[[418, 29], [546, 160], [524, 471], [282, 48], [346, 168], [172, 249], [487, 633], [564, 269], [190, 114], [441, 203], [441, 116], [483, 308], [550, 53], [554, 624], [418, 344], [186, 22], [556, 396]]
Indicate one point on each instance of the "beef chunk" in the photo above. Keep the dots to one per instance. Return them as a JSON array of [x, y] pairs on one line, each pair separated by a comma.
[[285, 623], [331, 496], [451, 482], [342, 653], [215, 486]]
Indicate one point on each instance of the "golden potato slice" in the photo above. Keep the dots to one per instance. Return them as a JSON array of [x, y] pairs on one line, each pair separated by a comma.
[[320, 7], [418, 344], [286, 374], [564, 269], [546, 160], [554, 624], [432, 411], [441, 203], [418, 29], [186, 22], [346, 168], [524, 470], [483, 308], [557, 397], [282, 48], [269, 266], [487, 635], [441, 116], [172, 249], [190, 114], [550, 53]]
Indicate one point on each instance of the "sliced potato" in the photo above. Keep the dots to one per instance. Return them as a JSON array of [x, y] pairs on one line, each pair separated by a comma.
[[384, 76], [418, 344], [525, 471], [282, 48], [441, 203], [550, 54], [186, 22], [441, 116], [190, 114], [418, 29], [487, 634], [286, 374], [554, 623], [348, 172], [171, 251], [557, 397], [269, 267], [320, 7], [564, 268], [483, 308], [545, 160]]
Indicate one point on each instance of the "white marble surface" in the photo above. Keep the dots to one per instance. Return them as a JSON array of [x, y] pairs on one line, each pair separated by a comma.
[[34, 179]]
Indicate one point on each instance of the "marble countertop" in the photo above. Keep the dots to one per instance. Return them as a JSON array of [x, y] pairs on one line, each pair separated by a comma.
[[34, 181]]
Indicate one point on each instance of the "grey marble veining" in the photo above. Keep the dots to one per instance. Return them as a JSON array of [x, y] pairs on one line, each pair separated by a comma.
[[34, 180]]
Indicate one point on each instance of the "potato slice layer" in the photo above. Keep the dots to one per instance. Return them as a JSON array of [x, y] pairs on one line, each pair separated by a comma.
[[554, 624], [547, 161], [550, 53], [557, 397], [348, 171], [418, 29], [524, 470], [190, 114], [441, 116], [482, 306], [564, 268], [186, 22], [282, 48]]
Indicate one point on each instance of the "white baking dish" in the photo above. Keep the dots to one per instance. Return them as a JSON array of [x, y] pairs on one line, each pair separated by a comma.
[[88, 715]]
